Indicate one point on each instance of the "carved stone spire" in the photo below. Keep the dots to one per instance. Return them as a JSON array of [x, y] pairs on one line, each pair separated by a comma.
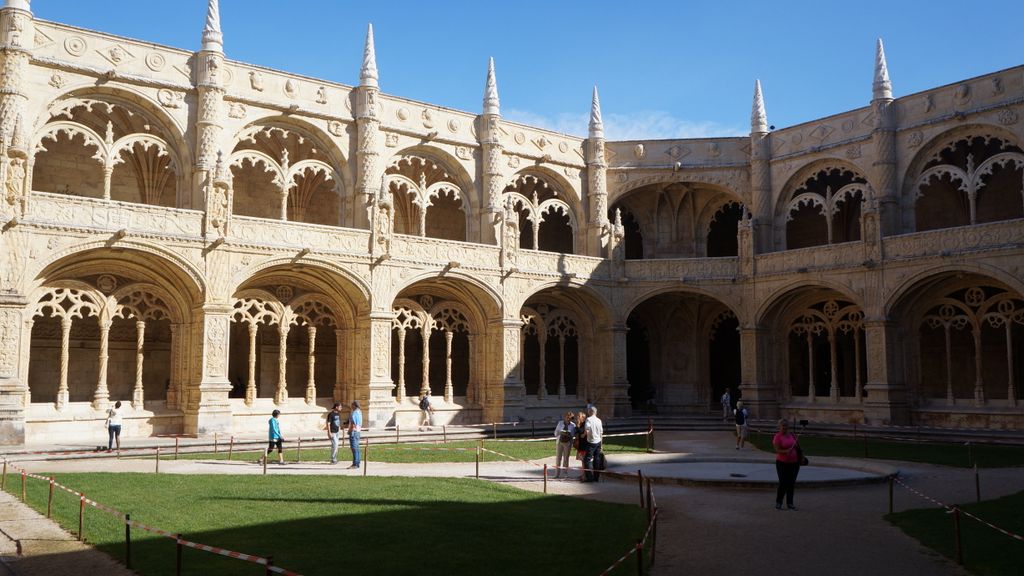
[[213, 40], [368, 73], [491, 103], [882, 87], [758, 116], [596, 124]]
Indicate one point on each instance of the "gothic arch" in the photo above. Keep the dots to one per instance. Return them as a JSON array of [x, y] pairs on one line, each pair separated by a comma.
[[913, 282], [839, 206], [346, 293], [546, 195], [639, 299], [447, 188], [775, 299], [485, 299]]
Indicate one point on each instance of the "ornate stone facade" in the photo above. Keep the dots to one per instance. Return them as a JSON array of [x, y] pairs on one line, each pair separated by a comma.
[[209, 240]]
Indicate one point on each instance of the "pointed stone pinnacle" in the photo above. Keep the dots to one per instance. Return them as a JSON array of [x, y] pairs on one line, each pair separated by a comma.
[[596, 123], [492, 105], [18, 4], [758, 116], [213, 40], [882, 87], [368, 73]]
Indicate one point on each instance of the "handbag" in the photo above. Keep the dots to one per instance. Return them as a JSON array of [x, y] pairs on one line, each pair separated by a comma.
[[800, 458]]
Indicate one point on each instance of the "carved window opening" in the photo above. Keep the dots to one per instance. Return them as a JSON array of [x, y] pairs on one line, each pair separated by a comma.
[[827, 357], [546, 221], [974, 180], [428, 201], [633, 239], [106, 149], [283, 347], [431, 349], [826, 209], [722, 239], [972, 346], [283, 173], [89, 347], [550, 352]]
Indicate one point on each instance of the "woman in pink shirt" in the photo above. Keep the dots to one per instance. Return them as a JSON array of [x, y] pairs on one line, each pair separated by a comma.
[[787, 464]]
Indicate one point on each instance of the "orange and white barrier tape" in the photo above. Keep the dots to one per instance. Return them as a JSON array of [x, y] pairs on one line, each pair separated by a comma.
[[962, 511]]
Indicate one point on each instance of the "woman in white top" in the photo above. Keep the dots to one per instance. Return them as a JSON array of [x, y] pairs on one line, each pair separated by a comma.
[[114, 426]]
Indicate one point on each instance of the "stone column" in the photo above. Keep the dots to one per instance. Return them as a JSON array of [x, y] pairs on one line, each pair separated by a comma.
[[811, 391], [138, 397], [507, 333], [368, 150], [179, 366], [281, 393], [205, 399], [561, 366], [761, 201], [65, 348], [101, 398], [884, 138], [542, 385], [14, 342], [449, 391], [758, 396], [1011, 390], [311, 380], [250, 384], [381, 388], [17, 38], [886, 401], [833, 372], [979, 381], [400, 392], [215, 196], [493, 179], [613, 396], [597, 180], [341, 368]]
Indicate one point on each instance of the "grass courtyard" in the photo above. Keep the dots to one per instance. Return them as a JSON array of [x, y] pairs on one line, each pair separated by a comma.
[[333, 524]]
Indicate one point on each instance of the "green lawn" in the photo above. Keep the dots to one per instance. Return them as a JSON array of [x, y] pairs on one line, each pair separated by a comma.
[[457, 451], [945, 454], [332, 525], [985, 551]]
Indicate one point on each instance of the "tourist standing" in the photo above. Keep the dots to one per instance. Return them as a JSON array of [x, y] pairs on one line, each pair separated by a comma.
[[275, 438], [787, 464], [594, 430], [740, 415], [565, 431], [114, 420], [333, 427], [426, 411], [726, 405], [355, 427], [580, 442]]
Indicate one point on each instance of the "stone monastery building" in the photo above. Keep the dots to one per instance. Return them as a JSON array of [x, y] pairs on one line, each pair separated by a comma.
[[206, 240]]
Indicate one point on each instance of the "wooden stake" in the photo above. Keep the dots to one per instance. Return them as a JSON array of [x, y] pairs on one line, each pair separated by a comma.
[[298, 450], [639, 558], [128, 540], [49, 500], [640, 477], [892, 505], [23, 486], [478, 463], [545, 478], [956, 529], [81, 518], [231, 447], [175, 447], [366, 455], [977, 484], [215, 446], [157, 459]]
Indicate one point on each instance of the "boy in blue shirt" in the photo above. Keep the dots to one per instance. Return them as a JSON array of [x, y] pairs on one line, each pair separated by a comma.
[[355, 426], [274, 433]]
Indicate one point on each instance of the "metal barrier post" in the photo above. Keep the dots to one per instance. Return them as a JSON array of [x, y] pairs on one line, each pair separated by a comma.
[[956, 527], [157, 459], [892, 506], [977, 484], [175, 447], [177, 539], [231, 447], [639, 558], [81, 518], [49, 500], [545, 478], [640, 477], [128, 540]]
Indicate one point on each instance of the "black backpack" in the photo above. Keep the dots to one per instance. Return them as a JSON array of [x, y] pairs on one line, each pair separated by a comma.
[[741, 418], [424, 403]]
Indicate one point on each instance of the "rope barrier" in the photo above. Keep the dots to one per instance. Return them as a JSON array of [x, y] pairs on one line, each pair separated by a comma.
[[962, 511], [160, 532]]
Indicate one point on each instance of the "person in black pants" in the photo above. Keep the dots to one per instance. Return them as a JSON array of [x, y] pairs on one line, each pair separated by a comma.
[[787, 464]]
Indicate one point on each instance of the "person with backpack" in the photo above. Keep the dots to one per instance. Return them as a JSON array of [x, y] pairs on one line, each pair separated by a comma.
[[740, 416], [426, 410], [333, 426], [594, 430], [565, 431], [726, 405]]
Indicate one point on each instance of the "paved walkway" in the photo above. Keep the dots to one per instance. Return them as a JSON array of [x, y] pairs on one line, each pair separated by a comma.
[[703, 529]]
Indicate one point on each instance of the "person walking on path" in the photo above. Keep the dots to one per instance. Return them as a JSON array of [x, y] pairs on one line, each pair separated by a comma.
[[275, 438], [740, 415], [333, 427], [114, 421], [594, 430], [726, 405], [426, 410], [355, 427], [565, 431], [787, 464]]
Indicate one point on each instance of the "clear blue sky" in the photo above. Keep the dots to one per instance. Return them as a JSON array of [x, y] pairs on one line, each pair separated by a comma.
[[664, 69]]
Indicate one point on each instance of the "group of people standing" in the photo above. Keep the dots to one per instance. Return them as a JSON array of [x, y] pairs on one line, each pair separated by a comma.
[[583, 433], [332, 425]]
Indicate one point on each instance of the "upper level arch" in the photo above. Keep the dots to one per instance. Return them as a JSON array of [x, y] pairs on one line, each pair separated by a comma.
[[680, 219], [112, 143], [433, 194], [821, 204], [968, 175], [547, 208]]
